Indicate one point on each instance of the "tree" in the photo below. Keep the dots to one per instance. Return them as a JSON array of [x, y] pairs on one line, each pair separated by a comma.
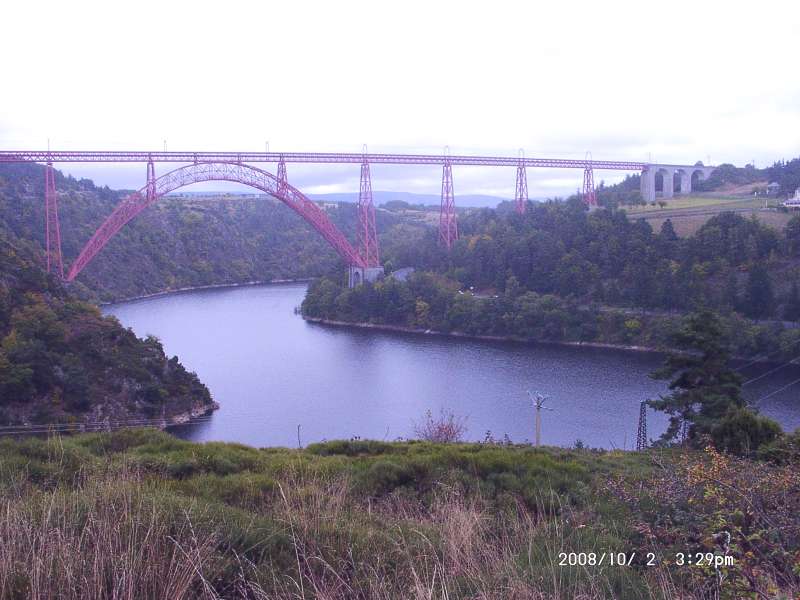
[[422, 312], [791, 312], [75, 383], [320, 301], [703, 387], [667, 237], [513, 288], [16, 381], [759, 298], [730, 295]]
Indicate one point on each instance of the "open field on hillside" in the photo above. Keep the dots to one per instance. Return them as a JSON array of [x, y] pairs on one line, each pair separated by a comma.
[[699, 201], [689, 213], [689, 224]]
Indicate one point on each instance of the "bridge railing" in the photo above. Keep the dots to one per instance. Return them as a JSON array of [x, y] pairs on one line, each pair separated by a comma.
[[16, 156]]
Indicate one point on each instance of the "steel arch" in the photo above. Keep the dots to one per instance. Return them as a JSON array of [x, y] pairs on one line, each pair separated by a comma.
[[256, 178]]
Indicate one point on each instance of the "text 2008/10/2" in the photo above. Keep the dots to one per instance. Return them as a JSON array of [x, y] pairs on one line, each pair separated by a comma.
[[594, 559]]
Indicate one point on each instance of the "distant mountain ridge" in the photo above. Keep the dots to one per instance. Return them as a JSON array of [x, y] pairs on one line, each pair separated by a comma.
[[381, 197]]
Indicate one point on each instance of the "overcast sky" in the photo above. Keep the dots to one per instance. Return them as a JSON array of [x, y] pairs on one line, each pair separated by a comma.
[[669, 81]]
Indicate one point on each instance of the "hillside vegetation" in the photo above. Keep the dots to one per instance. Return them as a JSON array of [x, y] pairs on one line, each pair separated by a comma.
[[141, 514], [61, 361], [559, 273], [179, 241]]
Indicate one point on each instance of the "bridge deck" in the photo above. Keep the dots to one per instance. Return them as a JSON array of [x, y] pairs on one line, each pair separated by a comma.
[[13, 156]]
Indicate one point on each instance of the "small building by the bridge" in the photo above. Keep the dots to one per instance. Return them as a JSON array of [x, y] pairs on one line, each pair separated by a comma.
[[402, 274], [773, 188], [358, 275]]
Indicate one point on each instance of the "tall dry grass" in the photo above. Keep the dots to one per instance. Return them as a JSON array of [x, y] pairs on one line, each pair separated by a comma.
[[118, 532], [104, 540], [457, 547], [112, 538]]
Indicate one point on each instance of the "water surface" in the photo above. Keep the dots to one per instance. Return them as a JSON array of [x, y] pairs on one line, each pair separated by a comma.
[[271, 371]]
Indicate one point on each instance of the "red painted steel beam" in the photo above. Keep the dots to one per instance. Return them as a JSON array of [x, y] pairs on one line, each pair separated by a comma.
[[448, 224], [367, 233], [136, 202], [589, 193], [43, 156], [52, 228], [521, 193]]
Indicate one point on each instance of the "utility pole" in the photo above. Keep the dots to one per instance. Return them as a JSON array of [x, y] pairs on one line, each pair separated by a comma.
[[538, 403], [641, 433]]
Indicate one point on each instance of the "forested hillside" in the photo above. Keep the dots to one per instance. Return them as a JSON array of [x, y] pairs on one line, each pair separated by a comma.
[[560, 273], [61, 361], [178, 242], [785, 173], [558, 248]]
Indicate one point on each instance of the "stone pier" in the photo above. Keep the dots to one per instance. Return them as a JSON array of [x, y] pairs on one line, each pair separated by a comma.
[[667, 172]]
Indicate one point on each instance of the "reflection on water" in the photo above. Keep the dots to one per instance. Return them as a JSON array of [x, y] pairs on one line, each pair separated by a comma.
[[271, 371]]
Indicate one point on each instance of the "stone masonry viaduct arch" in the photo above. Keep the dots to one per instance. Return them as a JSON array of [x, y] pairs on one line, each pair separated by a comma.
[[668, 172]]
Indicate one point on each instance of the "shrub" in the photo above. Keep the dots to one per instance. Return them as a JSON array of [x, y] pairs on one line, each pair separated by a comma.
[[447, 428], [122, 440], [384, 476], [742, 431], [351, 448], [783, 450]]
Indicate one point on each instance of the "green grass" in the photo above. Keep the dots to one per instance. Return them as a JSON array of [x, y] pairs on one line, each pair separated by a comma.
[[694, 202], [92, 514]]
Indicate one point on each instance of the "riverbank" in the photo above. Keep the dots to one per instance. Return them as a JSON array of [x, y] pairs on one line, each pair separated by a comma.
[[521, 340], [491, 338], [424, 305], [205, 287], [111, 416], [187, 416]]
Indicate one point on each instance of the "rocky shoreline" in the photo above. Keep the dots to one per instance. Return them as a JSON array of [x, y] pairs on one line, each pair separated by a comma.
[[100, 420], [187, 416]]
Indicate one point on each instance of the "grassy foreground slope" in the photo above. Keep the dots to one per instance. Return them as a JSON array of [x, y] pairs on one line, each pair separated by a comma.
[[140, 514]]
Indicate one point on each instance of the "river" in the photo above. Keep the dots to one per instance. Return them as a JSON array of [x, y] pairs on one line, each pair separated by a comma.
[[271, 371]]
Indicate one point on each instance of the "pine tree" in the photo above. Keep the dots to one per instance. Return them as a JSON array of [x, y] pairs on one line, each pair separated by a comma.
[[792, 236], [667, 241], [703, 388], [667, 232], [791, 311], [759, 298], [730, 295]]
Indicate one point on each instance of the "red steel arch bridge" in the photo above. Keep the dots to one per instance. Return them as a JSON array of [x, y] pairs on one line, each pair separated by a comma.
[[239, 167]]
